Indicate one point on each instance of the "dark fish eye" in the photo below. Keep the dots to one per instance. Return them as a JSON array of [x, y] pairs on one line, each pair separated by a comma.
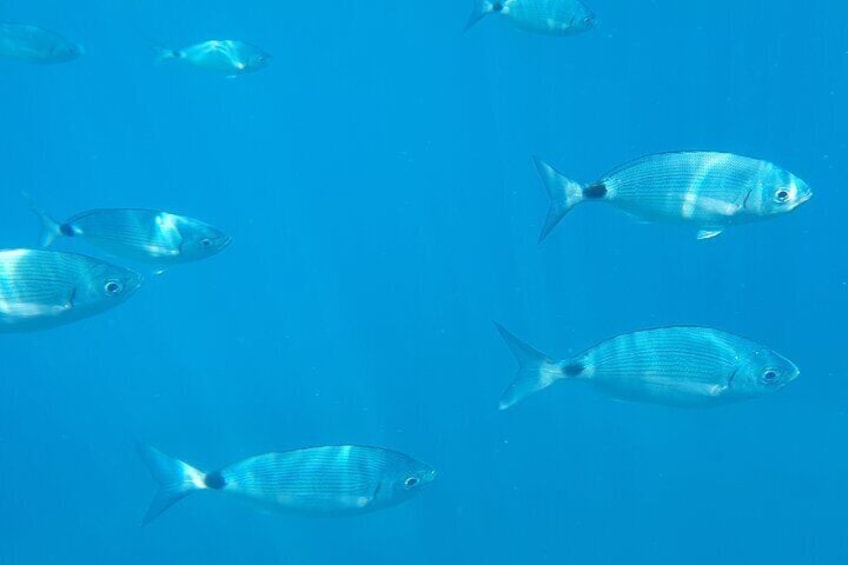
[[113, 287], [769, 376], [410, 482], [588, 20], [206, 242], [782, 195]]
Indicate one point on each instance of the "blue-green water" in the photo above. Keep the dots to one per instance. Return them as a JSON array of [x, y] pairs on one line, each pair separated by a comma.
[[378, 185]]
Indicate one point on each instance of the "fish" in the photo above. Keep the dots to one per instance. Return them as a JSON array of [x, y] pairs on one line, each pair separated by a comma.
[[552, 17], [323, 481], [41, 289], [152, 237], [687, 366], [33, 44], [711, 191], [222, 56]]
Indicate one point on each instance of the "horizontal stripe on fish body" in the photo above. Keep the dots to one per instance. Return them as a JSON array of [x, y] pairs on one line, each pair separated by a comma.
[[40, 289], [553, 17], [681, 366], [150, 236], [327, 480], [330, 479], [223, 56], [707, 189]]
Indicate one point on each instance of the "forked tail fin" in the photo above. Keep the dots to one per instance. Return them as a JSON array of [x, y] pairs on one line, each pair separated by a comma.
[[50, 228], [536, 370], [564, 194], [481, 9], [176, 479]]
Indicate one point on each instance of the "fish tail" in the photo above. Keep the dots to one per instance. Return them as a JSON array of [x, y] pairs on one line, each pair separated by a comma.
[[50, 228], [481, 9], [176, 479], [564, 193], [165, 54], [536, 370]]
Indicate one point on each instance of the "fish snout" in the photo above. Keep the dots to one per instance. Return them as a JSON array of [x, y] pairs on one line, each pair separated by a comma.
[[429, 475]]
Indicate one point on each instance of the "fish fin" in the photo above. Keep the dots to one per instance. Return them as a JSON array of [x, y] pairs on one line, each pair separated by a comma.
[[564, 194], [176, 480], [481, 9], [535, 370], [69, 303], [50, 228], [708, 234]]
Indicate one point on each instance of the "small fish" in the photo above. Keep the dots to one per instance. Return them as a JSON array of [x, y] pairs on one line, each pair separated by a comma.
[[711, 191], [329, 480], [153, 237], [227, 57], [554, 17], [676, 366], [41, 289], [32, 44]]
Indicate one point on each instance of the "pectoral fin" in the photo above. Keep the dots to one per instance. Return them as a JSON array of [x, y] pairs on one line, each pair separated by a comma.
[[719, 389], [708, 234]]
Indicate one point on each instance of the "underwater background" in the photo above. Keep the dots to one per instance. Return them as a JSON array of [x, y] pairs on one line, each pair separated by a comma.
[[378, 184]]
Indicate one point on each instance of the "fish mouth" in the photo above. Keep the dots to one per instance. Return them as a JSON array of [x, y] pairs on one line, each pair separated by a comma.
[[135, 282], [804, 197], [429, 476]]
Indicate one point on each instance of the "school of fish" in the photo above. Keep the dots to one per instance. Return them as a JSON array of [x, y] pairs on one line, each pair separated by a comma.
[[689, 366]]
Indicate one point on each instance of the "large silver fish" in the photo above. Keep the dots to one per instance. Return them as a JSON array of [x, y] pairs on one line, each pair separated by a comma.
[[679, 366], [32, 44], [711, 191], [153, 237], [227, 57], [329, 480], [40, 289], [554, 17]]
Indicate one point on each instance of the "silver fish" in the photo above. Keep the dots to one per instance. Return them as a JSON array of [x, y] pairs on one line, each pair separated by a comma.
[[41, 289], [227, 57], [711, 191], [678, 366], [328, 480], [32, 44], [150, 236], [554, 17]]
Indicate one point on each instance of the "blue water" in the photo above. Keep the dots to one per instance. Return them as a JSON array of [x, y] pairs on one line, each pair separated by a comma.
[[377, 181]]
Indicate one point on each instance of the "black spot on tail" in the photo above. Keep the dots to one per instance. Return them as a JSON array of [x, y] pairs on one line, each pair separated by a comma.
[[497, 6], [573, 369], [215, 481], [67, 230], [595, 191]]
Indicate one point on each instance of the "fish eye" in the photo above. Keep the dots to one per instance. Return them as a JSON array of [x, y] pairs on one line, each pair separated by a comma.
[[206, 242], [769, 376], [588, 20], [410, 482], [781, 195], [113, 287]]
